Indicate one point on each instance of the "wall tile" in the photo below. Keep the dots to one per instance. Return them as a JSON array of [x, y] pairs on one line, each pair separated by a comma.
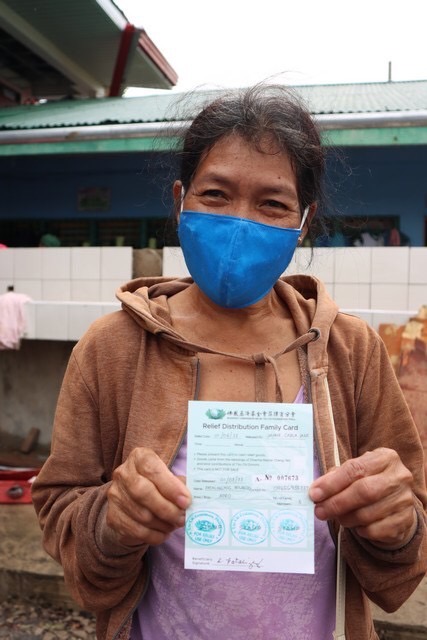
[[85, 290], [352, 296], [85, 263], [6, 264], [4, 284], [319, 263], [330, 288], [116, 263], [56, 263], [32, 288], [390, 265], [108, 290], [299, 262], [389, 296], [352, 264], [174, 263], [51, 321], [30, 320], [56, 290], [80, 317], [418, 265], [28, 263], [417, 296], [323, 264], [110, 307]]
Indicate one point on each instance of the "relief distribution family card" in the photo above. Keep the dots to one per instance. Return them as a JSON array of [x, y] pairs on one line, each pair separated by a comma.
[[249, 466]]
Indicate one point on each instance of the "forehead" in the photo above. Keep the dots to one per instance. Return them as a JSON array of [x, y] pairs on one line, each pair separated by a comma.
[[235, 151]]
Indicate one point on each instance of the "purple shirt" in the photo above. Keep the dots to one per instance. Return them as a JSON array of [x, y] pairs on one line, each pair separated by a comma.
[[209, 605]]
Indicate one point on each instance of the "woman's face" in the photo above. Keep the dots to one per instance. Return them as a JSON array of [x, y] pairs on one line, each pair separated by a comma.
[[236, 179]]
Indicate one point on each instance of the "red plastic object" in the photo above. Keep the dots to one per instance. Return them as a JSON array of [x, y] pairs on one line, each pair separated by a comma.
[[15, 485]]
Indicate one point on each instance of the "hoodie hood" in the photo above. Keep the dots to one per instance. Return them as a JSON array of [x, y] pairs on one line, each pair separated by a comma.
[[313, 312]]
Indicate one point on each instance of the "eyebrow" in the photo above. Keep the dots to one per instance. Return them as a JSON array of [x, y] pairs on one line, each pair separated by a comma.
[[220, 178]]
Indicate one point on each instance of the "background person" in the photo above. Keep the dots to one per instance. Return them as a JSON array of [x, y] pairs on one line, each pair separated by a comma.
[[111, 499], [49, 240]]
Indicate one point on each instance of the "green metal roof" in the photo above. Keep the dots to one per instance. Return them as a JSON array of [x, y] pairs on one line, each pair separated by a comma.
[[387, 113], [321, 99], [366, 97], [96, 111]]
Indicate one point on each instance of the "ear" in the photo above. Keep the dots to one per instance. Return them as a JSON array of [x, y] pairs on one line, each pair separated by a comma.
[[177, 198], [311, 213]]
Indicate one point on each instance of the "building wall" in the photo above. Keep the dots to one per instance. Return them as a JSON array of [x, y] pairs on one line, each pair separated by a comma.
[[31, 379], [361, 181], [47, 186], [382, 181]]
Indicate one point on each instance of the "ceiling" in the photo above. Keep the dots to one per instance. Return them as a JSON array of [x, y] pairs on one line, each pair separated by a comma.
[[85, 48]]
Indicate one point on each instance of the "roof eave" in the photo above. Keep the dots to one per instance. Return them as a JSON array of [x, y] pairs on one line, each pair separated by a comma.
[[372, 120], [146, 45], [326, 122]]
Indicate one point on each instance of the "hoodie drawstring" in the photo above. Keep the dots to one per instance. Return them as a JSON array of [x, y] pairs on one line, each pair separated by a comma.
[[259, 359]]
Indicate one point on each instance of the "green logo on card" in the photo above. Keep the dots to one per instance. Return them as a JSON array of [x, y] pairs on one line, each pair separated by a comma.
[[215, 414]]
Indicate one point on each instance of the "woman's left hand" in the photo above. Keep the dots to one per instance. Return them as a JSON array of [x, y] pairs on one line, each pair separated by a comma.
[[371, 494]]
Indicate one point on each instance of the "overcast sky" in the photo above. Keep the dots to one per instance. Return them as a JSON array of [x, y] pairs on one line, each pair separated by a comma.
[[228, 43]]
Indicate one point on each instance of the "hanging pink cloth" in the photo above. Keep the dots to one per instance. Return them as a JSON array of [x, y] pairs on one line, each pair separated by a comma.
[[12, 319]]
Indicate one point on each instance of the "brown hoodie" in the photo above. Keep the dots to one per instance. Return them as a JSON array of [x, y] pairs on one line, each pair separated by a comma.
[[128, 383]]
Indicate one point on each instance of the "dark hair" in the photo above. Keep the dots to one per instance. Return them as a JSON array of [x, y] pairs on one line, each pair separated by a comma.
[[256, 113]]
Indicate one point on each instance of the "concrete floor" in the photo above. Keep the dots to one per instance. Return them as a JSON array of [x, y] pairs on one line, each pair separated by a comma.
[[28, 572]]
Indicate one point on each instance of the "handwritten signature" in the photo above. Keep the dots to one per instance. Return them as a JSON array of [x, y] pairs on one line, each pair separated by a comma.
[[241, 562]]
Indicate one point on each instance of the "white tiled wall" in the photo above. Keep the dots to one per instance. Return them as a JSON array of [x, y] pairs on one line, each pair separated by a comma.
[[70, 287], [63, 320], [66, 274], [380, 284]]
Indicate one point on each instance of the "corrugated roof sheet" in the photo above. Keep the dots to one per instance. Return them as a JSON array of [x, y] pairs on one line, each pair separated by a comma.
[[366, 98], [321, 99]]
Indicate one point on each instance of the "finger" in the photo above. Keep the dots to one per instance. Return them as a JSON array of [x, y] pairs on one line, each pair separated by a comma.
[[371, 513], [140, 499], [150, 466], [338, 479], [133, 508], [129, 532], [372, 497], [394, 531]]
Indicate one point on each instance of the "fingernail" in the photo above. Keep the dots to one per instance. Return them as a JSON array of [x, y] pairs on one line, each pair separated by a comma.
[[320, 513], [181, 520], [316, 494], [183, 501]]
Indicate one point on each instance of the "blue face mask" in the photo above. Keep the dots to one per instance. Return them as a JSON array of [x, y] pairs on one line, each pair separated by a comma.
[[235, 261]]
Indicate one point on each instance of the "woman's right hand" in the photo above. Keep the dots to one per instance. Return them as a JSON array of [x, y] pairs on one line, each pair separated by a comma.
[[146, 501]]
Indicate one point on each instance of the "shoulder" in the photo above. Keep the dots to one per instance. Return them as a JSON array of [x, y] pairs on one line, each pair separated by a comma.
[[108, 325], [354, 328], [354, 337], [112, 335]]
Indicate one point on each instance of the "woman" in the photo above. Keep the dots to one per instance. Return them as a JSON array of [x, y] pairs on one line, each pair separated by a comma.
[[111, 498]]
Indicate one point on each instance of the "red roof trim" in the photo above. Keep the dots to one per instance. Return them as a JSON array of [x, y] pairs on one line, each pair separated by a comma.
[[150, 49]]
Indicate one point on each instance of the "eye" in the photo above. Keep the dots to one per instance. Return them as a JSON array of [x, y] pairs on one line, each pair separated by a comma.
[[213, 193], [276, 204]]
